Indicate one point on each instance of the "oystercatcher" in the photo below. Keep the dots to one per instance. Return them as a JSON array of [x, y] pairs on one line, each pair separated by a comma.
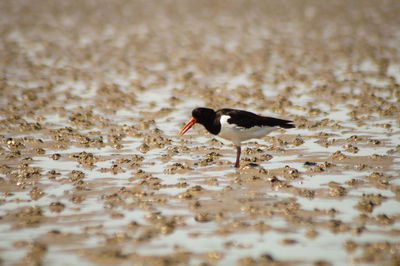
[[235, 125]]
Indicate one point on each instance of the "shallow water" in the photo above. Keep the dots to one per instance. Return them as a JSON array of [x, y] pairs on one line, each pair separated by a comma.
[[93, 172]]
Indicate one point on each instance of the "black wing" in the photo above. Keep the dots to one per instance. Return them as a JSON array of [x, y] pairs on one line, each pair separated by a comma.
[[248, 119]]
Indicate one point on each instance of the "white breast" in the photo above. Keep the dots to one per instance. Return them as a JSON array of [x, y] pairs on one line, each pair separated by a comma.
[[238, 134]]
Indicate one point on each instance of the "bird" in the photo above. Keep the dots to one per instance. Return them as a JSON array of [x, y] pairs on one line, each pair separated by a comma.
[[235, 125]]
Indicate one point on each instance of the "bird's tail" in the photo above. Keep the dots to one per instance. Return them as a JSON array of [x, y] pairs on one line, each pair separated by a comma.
[[287, 124]]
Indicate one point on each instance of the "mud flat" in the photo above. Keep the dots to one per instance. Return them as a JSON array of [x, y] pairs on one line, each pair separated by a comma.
[[93, 94]]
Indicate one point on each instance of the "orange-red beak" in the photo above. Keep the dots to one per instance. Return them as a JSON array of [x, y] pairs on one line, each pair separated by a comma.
[[187, 126]]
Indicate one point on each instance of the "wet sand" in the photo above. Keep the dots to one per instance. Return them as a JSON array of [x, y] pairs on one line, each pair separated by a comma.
[[93, 94]]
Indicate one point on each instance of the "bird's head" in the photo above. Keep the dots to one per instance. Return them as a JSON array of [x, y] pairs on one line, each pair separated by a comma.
[[200, 115]]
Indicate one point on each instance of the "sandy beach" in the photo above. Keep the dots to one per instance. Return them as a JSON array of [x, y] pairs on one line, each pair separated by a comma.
[[94, 93]]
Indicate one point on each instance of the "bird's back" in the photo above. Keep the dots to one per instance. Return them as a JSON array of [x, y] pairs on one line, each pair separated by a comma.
[[248, 119]]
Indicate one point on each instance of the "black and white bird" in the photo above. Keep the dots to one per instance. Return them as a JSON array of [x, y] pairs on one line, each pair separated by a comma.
[[235, 125]]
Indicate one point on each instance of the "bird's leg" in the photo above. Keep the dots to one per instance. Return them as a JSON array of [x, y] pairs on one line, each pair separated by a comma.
[[237, 164]]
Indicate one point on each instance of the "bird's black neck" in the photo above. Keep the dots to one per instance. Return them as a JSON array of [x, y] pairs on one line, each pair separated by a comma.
[[212, 124]]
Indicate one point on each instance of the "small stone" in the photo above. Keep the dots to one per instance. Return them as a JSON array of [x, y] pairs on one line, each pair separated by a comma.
[[203, 217], [36, 193], [57, 207]]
